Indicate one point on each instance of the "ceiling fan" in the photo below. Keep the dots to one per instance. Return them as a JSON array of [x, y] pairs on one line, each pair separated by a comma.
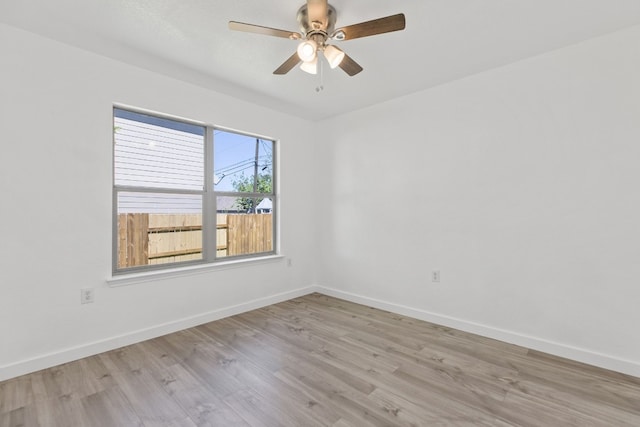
[[317, 20]]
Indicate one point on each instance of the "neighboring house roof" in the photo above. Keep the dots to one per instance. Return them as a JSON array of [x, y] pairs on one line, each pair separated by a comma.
[[265, 204], [226, 203]]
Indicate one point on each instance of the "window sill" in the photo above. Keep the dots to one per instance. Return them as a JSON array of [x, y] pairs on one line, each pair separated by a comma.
[[148, 276]]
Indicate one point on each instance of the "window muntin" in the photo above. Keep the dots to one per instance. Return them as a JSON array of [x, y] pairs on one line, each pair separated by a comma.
[[166, 213]]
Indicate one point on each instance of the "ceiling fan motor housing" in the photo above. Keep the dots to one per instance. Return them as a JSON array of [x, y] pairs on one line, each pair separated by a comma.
[[326, 26]]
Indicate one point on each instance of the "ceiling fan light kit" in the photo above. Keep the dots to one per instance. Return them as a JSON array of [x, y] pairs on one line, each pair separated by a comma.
[[308, 50], [317, 20], [334, 55], [310, 67]]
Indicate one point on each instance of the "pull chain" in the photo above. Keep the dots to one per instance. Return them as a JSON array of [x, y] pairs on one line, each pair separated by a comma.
[[320, 87]]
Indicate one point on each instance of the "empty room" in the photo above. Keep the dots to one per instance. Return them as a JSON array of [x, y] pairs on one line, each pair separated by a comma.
[[311, 213]]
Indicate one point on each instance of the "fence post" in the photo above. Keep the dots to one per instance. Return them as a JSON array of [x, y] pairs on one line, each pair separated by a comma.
[[228, 234], [137, 239]]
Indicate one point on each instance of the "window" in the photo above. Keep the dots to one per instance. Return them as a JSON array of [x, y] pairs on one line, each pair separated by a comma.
[[188, 193]]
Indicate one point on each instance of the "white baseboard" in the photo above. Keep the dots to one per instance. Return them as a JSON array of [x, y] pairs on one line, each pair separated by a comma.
[[578, 354], [90, 349]]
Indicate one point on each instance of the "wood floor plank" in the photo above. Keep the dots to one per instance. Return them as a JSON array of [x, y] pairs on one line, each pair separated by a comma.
[[346, 403], [269, 387], [203, 406], [16, 393], [21, 417], [150, 402], [195, 358], [321, 361], [110, 408], [230, 333], [413, 412], [61, 411]]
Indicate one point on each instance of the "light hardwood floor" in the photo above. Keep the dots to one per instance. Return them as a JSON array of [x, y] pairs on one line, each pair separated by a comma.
[[321, 361]]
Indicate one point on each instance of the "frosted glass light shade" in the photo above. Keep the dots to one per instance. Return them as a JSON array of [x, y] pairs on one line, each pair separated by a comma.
[[307, 50], [310, 67], [334, 55]]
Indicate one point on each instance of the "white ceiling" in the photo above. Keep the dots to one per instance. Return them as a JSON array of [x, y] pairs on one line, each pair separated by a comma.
[[444, 40]]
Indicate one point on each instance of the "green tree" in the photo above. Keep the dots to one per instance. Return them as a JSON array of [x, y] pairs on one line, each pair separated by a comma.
[[244, 184]]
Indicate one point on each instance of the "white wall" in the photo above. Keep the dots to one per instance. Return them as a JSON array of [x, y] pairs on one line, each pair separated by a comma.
[[55, 192], [520, 184]]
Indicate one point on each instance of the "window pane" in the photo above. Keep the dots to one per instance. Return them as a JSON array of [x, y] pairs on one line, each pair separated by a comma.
[[237, 158], [156, 152], [158, 228], [242, 230]]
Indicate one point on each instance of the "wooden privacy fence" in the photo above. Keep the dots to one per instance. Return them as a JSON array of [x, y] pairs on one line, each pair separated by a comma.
[[145, 239], [249, 234]]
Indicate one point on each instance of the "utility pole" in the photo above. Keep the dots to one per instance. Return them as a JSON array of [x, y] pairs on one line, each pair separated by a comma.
[[255, 172]]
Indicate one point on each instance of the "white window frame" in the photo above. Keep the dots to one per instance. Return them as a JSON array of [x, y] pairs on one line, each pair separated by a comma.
[[209, 197]]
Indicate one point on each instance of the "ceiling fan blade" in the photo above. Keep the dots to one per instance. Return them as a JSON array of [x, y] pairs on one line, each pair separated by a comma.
[[373, 27], [317, 11], [350, 66], [288, 64], [257, 29]]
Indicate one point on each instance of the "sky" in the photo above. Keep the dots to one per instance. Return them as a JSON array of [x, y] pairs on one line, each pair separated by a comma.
[[235, 154]]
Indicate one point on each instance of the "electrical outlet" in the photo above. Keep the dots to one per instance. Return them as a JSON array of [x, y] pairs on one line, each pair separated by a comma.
[[289, 262], [435, 276], [87, 295]]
